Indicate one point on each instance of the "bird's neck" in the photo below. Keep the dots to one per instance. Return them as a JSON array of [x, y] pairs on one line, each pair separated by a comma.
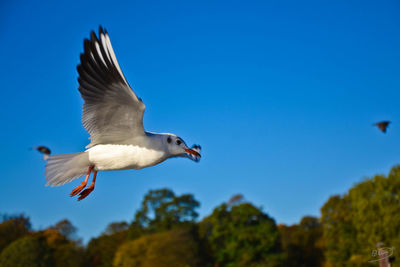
[[156, 140]]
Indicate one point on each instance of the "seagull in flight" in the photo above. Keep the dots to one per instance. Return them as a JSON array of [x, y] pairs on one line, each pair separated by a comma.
[[113, 117]]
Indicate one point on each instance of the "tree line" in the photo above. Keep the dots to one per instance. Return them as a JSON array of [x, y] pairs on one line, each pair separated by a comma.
[[165, 231]]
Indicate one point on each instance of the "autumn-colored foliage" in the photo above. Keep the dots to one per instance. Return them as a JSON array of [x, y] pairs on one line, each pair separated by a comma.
[[303, 243], [13, 228], [165, 232], [101, 250], [43, 248], [173, 248]]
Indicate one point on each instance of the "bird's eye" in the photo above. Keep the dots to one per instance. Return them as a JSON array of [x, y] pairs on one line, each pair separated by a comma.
[[178, 142], [169, 140]]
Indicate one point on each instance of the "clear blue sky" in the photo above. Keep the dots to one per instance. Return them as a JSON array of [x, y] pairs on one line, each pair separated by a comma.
[[280, 94]]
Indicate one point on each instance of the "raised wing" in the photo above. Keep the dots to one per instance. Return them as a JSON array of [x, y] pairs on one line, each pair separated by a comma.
[[112, 112]]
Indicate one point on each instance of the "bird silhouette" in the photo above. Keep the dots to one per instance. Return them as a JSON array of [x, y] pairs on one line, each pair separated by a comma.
[[382, 125], [44, 150]]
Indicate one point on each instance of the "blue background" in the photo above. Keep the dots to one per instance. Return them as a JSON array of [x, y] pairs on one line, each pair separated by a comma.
[[280, 94]]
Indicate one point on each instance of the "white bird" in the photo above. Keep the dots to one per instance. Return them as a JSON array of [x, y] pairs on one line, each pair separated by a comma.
[[113, 117]]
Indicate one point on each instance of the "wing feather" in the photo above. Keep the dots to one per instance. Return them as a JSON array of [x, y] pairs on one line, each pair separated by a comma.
[[112, 112]]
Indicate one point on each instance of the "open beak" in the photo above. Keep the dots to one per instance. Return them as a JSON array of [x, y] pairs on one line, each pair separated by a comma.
[[192, 152]]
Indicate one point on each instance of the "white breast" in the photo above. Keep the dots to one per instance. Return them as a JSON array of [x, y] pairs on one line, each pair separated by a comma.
[[120, 157]]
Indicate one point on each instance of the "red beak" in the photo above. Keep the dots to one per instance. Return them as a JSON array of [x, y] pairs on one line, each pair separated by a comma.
[[191, 151]]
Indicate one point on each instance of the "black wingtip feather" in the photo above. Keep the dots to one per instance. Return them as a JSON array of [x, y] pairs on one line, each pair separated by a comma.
[[79, 68], [86, 46], [91, 67], [96, 68], [93, 36]]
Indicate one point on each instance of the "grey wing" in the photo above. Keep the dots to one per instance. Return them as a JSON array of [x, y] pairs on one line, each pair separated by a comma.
[[112, 112]]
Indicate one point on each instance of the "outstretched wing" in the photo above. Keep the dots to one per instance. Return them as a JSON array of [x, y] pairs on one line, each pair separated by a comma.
[[112, 112]]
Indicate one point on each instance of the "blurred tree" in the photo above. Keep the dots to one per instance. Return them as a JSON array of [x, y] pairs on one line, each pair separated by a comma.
[[31, 251], [64, 252], [367, 215], [242, 235], [13, 228], [236, 199], [303, 243], [65, 228], [43, 248], [175, 248], [339, 232], [135, 230], [101, 250], [68, 254], [313, 240], [376, 210], [161, 210], [116, 227]]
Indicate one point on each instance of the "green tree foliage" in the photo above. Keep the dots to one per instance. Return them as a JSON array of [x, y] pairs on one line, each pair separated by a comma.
[[101, 250], [43, 248], [30, 251], [303, 243], [63, 251], [13, 228], [368, 214], [116, 227], [242, 235], [66, 228], [165, 233], [339, 232], [236, 199], [174, 248], [135, 230], [161, 210]]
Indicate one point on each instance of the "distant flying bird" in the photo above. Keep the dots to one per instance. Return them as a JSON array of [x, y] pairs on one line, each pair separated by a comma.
[[44, 150], [235, 199], [113, 117], [382, 125]]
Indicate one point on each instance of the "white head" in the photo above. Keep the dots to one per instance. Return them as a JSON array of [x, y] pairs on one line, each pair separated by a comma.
[[178, 148]]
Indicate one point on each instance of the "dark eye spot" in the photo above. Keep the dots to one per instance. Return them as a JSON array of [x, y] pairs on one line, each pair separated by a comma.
[[178, 142], [169, 140]]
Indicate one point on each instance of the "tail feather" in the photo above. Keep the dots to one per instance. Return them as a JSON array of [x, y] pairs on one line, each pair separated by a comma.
[[63, 168]]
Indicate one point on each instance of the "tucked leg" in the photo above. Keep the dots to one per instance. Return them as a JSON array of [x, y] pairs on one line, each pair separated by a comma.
[[80, 187], [88, 190]]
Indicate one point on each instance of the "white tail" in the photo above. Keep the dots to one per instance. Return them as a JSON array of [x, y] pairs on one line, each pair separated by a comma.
[[63, 168]]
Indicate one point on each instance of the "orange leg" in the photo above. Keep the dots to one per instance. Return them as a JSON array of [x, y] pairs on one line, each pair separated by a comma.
[[88, 190], [80, 187]]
